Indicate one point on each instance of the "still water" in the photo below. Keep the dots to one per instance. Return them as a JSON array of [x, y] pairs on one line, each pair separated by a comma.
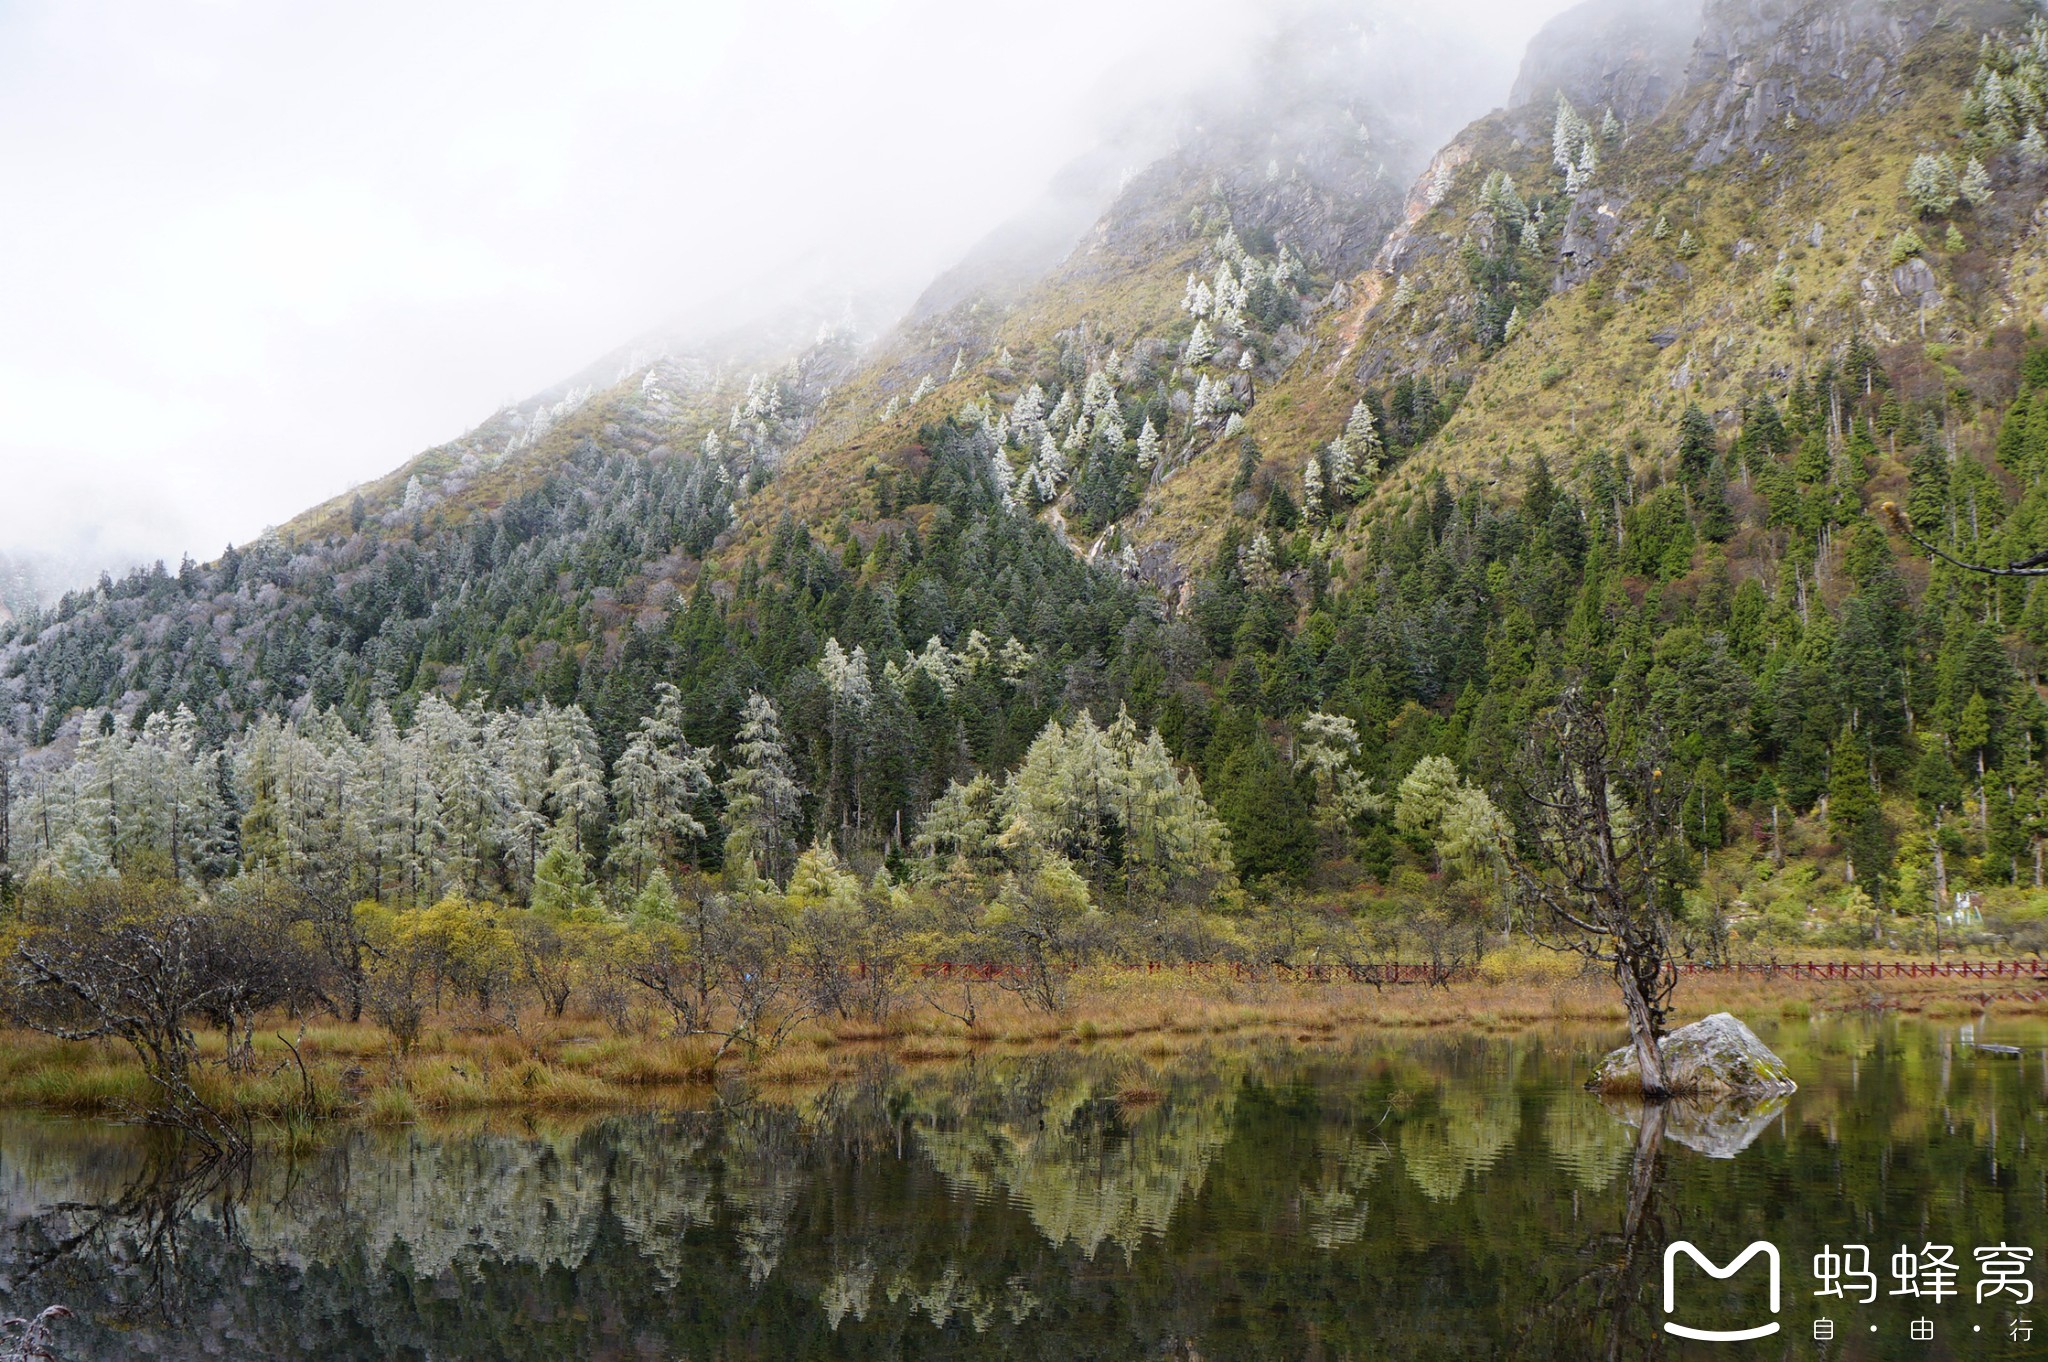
[[1404, 1196]]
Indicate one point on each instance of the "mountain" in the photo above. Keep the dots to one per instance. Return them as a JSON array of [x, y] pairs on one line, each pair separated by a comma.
[[1356, 408]]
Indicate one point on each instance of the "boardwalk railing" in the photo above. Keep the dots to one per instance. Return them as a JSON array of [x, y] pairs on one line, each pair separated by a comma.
[[1317, 973], [1874, 969], [1405, 973]]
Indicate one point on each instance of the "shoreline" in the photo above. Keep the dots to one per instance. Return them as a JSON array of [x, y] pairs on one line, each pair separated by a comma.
[[469, 1061]]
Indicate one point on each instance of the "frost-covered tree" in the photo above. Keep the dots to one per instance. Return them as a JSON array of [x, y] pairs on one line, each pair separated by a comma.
[[1148, 446], [657, 784], [1312, 488], [1343, 469], [1499, 198], [850, 685], [763, 801], [1256, 563], [458, 749], [297, 782], [1931, 184], [1326, 750], [960, 827], [1441, 181], [1005, 476], [1570, 136], [2034, 147], [554, 775], [1114, 804], [1362, 442], [1975, 184], [1201, 344], [1027, 415], [1458, 819], [1050, 470], [1109, 423]]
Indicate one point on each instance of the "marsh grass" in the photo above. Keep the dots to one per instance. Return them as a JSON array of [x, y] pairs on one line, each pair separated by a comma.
[[472, 1064]]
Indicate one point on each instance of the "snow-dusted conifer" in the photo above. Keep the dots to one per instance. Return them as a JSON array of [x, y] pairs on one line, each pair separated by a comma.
[[1148, 446], [1312, 488], [1975, 184], [2034, 147]]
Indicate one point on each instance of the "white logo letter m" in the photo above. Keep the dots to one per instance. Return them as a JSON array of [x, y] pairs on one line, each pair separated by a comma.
[[1769, 1251]]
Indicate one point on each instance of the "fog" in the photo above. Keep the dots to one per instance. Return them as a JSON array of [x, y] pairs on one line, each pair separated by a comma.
[[253, 254]]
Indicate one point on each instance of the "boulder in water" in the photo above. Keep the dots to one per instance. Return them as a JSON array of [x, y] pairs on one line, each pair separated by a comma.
[[1716, 1054]]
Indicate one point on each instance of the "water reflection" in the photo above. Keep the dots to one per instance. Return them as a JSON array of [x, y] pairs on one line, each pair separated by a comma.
[[1418, 1197]]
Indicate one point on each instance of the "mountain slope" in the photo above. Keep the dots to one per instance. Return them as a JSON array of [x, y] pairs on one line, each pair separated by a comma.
[[1320, 429]]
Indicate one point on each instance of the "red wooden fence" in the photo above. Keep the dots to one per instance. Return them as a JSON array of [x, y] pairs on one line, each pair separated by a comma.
[[1403, 973]]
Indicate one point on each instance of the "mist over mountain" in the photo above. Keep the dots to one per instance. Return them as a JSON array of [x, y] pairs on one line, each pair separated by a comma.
[[1351, 400]]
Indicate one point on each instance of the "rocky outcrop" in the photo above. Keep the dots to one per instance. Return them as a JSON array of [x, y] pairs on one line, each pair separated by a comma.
[[1767, 66], [1624, 55], [1714, 1056], [1592, 232]]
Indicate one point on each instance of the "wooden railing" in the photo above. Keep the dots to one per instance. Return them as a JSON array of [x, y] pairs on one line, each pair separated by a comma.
[[1875, 969], [1393, 972]]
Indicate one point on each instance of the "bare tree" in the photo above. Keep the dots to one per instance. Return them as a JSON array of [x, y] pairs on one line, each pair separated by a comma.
[[139, 973], [1596, 861]]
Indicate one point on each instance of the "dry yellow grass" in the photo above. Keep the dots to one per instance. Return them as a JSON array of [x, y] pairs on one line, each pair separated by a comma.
[[470, 1064]]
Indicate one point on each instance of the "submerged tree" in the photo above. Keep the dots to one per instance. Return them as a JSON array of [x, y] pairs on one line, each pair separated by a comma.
[[1597, 860]]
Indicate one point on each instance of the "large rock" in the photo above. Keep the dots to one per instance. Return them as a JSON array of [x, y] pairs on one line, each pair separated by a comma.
[[1714, 1055]]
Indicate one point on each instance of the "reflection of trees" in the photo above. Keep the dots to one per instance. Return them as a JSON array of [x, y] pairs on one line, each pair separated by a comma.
[[141, 1235], [1270, 1204], [1585, 1141], [1605, 1307], [1087, 1167], [1465, 1135], [1334, 1208]]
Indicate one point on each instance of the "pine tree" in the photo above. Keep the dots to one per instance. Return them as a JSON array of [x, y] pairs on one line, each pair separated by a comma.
[[1272, 830], [1975, 185], [763, 801], [1327, 752], [656, 784], [1697, 448], [1568, 134], [2034, 148], [562, 887], [1148, 447], [1362, 444], [1931, 184]]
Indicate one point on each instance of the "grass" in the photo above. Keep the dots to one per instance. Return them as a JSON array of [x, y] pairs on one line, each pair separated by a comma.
[[472, 1064]]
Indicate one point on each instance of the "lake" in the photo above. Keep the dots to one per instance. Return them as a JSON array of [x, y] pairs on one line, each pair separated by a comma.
[[1426, 1195]]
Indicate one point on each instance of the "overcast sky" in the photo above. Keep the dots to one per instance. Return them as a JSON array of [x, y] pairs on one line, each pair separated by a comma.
[[252, 253]]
